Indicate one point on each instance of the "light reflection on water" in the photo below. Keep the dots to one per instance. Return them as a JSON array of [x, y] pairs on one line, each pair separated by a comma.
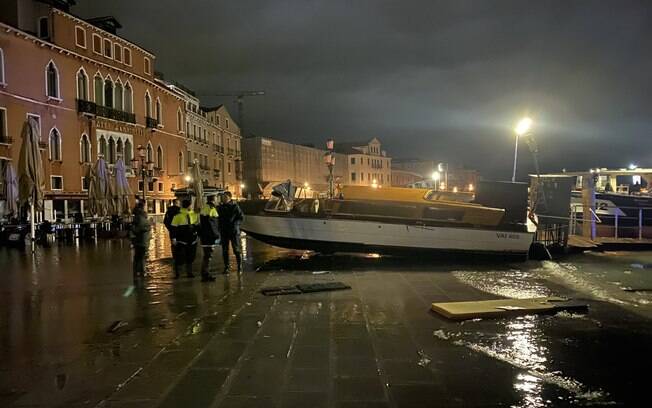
[[520, 342]]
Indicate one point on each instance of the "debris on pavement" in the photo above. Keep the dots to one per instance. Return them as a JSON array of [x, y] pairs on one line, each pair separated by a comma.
[[506, 307], [303, 288]]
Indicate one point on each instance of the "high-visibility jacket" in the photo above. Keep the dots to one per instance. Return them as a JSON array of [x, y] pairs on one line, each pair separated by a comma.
[[184, 227], [208, 227]]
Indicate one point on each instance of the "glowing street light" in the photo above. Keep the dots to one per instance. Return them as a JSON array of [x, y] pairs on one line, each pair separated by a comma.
[[188, 179], [374, 184], [471, 187], [633, 166], [522, 128]]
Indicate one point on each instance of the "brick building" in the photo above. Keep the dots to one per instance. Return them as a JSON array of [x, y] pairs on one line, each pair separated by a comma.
[[93, 93]]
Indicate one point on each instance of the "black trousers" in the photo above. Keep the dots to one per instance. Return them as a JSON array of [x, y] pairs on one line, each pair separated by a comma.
[[184, 254], [206, 260], [234, 240], [139, 260]]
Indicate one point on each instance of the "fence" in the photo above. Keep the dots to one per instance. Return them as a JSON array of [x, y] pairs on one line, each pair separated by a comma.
[[613, 221]]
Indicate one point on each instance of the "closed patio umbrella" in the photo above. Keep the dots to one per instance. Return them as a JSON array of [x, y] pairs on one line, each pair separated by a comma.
[[30, 169], [121, 189], [101, 190], [197, 186], [92, 202], [10, 189]]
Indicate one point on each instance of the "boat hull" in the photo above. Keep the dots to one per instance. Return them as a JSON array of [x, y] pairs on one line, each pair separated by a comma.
[[336, 235]]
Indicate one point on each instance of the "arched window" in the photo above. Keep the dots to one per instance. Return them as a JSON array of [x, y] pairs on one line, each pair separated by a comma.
[[101, 151], [129, 155], [159, 112], [3, 80], [111, 152], [150, 153], [129, 99], [55, 144], [180, 162], [108, 93], [82, 85], [98, 89], [159, 157], [119, 150], [148, 105], [118, 95], [52, 80], [179, 120], [84, 149]]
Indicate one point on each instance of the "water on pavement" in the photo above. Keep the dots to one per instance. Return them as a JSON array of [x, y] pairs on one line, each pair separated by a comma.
[[74, 331]]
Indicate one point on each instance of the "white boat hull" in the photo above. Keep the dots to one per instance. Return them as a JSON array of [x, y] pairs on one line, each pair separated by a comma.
[[335, 235]]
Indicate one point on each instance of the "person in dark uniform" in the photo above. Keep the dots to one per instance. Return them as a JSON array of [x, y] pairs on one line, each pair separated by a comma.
[[140, 235], [172, 210], [209, 236], [229, 220], [184, 228]]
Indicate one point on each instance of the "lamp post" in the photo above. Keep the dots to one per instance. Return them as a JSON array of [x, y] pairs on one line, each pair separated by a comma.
[[329, 159], [144, 169], [435, 179], [522, 128]]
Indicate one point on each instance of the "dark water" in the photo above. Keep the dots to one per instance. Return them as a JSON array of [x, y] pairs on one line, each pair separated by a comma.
[[58, 305]]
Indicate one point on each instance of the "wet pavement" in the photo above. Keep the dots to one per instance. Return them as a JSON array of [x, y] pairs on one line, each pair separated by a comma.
[[74, 332]]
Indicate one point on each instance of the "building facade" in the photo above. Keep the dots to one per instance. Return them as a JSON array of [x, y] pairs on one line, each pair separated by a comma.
[[432, 174], [94, 95], [368, 164], [227, 143], [269, 161]]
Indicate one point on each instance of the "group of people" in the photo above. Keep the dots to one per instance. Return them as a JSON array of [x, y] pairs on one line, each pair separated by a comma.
[[214, 225]]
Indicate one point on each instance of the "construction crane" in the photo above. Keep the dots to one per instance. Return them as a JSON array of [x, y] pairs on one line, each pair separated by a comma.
[[239, 99]]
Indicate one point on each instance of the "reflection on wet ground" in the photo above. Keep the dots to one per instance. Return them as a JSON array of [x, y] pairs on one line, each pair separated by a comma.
[[75, 332]]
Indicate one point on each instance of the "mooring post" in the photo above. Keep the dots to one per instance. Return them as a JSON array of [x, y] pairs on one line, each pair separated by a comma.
[[588, 205], [640, 224]]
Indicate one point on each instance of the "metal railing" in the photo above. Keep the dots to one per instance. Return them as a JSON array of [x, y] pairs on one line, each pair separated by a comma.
[[105, 111], [151, 122], [613, 221]]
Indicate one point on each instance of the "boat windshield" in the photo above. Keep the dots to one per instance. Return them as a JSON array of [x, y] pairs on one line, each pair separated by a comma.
[[462, 197], [278, 204]]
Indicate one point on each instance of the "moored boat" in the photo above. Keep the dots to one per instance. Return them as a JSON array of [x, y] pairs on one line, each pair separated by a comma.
[[387, 221]]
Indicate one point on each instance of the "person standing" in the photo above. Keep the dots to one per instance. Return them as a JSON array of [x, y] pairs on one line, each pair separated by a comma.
[[140, 235], [171, 211], [184, 228], [209, 236], [230, 218]]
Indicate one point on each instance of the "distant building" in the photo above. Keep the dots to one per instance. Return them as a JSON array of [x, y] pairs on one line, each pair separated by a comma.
[[368, 163], [419, 173], [228, 144], [268, 161], [403, 178]]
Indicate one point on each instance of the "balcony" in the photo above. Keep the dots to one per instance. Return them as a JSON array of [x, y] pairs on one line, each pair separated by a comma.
[[230, 152], [104, 111], [216, 173], [204, 168], [151, 122]]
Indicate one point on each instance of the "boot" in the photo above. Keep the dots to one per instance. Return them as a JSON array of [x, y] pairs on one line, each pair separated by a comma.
[[238, 259]]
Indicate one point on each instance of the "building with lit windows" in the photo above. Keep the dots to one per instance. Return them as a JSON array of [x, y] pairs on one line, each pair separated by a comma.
[[368, 164], [94, 94]]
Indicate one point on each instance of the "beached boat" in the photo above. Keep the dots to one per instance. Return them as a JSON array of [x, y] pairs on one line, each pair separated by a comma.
[[388, 221]]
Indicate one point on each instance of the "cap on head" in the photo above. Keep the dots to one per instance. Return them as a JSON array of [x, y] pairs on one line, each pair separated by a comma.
[[186, 203]]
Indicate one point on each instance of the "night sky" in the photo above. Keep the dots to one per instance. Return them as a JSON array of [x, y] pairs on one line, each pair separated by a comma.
[[437, 80]]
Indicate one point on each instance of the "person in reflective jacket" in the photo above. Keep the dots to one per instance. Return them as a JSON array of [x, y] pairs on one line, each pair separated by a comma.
[[229, 224], [209, 236], [183, 230]]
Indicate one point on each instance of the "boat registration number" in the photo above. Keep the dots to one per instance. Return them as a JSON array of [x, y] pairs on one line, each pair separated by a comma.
[[504, 235]]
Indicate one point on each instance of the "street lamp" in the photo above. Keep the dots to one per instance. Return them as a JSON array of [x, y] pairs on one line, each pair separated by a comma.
[[144, 169], [522, 128], [329, 159], [435, 178]]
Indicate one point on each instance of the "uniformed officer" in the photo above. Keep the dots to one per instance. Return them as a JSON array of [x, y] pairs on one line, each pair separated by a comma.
[[184, 228], [209, 235], [229, 223]]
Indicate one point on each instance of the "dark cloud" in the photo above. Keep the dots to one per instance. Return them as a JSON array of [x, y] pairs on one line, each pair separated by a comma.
[[442, 80]]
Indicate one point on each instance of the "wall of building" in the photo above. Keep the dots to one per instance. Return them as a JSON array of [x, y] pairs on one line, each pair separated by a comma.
[[26, 58]]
